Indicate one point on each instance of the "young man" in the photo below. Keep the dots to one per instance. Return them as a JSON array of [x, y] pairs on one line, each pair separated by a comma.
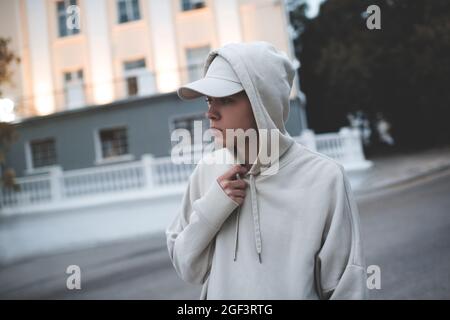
[[287, 229]]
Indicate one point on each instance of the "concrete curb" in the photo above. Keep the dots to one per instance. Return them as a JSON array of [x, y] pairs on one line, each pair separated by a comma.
[[403, 180]]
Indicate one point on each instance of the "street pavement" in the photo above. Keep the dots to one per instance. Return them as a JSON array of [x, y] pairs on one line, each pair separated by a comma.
[[405, 232]]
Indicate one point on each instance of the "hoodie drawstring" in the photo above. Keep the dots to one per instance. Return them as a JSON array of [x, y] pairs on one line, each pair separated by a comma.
[[236, 233], [256, 225]]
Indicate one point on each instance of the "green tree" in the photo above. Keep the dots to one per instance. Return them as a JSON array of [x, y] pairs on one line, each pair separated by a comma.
[[401, 70], [7, 132]]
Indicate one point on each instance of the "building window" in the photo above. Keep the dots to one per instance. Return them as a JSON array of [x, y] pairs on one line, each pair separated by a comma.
[[196, 58], [114, 142], [63, 17], [187, 5], [132, 86], [128, 10], [74, 89], [43, 153], [135, 64], [187, 122], [131, 71], [138, 80]]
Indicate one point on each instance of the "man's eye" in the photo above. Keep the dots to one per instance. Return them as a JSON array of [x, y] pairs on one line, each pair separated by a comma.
[[220, 100]]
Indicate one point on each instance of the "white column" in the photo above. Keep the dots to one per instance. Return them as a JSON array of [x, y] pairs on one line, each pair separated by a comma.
[[56, 183], [96, 24], [147, 161], [227, 21], [41, 70], [162, 31]]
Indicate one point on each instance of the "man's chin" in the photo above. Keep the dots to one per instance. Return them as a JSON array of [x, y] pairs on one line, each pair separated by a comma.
[[219, 143]]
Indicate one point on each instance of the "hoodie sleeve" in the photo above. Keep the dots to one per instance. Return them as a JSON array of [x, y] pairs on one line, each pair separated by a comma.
[[190, 236], [340, 266]]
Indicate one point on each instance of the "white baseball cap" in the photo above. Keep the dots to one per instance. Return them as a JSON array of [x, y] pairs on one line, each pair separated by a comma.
[[220, 81]]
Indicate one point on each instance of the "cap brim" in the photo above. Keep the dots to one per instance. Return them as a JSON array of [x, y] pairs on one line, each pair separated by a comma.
[[211, 87]]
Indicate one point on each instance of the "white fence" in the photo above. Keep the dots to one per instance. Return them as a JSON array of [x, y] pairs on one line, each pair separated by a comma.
[[57, 188], [149, 176], [344, 147]]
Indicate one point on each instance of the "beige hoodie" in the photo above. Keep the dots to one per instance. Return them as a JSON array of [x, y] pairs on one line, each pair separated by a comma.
[[296, 236]]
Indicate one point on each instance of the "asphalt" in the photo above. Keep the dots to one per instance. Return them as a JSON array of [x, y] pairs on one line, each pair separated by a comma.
[[405, 230]]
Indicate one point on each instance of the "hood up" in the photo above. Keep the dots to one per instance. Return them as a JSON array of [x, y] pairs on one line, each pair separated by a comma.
[[267, 76]]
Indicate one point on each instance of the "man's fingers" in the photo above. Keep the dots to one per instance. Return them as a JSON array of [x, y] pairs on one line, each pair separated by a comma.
[[233, 187], [236, 193], [239, 200], [235, 184], [231, 173], [238, 184]]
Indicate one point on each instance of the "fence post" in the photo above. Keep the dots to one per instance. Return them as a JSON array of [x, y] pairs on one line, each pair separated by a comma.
[[354, 154], [56, 183], [357, 146], [147, 165], [346, 137]]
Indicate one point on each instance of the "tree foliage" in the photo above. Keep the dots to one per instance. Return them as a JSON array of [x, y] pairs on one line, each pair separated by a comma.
[[402, 70], [7, 132]]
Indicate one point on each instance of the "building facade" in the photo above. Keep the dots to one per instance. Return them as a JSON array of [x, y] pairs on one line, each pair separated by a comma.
[[97, 78], [90, 52], [113, 133]]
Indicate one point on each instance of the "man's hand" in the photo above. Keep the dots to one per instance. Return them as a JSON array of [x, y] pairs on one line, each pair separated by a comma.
[[233, 187]]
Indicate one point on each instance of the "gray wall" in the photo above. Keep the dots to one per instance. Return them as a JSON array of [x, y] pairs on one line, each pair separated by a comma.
[[147, 121]]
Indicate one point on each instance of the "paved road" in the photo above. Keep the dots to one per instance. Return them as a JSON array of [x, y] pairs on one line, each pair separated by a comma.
[[406, 231]]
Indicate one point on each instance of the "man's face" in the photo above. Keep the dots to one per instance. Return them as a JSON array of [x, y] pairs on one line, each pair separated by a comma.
[[231, 112]]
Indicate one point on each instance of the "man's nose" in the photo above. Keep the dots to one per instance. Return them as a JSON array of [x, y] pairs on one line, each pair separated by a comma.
[[212, 114]]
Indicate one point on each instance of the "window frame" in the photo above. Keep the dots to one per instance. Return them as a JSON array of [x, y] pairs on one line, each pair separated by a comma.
[[99, 150], [59, 15], [189, 5], [129, 11], [199, 65], [188, 115], [74, 81], [29, 161], [133, 73]]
